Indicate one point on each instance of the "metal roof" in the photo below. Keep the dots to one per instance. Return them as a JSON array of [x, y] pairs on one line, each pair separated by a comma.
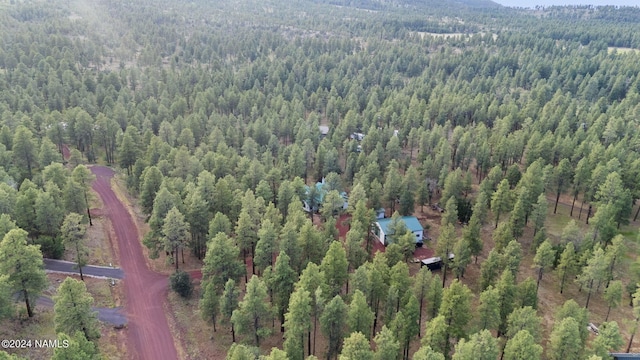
[[411, 222]]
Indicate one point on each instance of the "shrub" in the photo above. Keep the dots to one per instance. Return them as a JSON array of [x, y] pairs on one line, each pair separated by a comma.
[[180, 282]]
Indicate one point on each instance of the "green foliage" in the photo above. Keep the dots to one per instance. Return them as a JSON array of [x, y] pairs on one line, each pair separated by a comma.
[[72, 307], [180, 282], [253, 312], [522, 346], [79, 348], [23, 264], [334, 266], [480, 346], [332, 324]]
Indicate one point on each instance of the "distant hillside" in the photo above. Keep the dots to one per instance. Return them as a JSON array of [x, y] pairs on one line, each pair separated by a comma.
[[383, 4]]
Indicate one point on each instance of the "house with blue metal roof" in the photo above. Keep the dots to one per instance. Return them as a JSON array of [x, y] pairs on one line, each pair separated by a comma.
[[310, 204], [384, 232]]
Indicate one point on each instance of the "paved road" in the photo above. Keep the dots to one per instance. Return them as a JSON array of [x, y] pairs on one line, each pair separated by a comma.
[[68, 267], [148, 334], [112, 316]]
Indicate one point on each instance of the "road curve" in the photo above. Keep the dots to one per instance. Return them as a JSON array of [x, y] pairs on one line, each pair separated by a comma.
[[145, 291]]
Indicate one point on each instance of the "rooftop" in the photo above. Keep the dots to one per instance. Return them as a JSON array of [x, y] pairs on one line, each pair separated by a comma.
[[411, 222]]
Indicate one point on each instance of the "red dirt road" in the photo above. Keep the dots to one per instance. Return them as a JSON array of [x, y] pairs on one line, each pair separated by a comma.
[[148, 331]]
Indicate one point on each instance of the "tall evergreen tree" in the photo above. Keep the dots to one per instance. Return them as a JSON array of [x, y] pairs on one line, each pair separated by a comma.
[[253, 312], [23, 264], [72, 307], [73, 232]]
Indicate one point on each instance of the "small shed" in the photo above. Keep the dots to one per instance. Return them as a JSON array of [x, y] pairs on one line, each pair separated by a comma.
[[380, 213], [434, 263], [384, 234]]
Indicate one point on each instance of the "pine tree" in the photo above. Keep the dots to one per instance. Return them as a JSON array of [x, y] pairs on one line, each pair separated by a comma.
[[567, 264], [84, 177], [421, 282], [311, 280], [209, 303], [564, 343], [480, 346], [446, 241], [174, 233], [23, 264], [489, 309], [73, 232], [335, 268], [501, 200], [221, 262], [490, 269], [456, 309], [79, 348], [539, 213], [356, 347], [426, 353], [593, 273], [297, 324], [517, 217], [253, 312], [524, 318], [266, 246], [229, 303], [436, 335], [608, 340], [545, 256], [507, 297], [387, 346], [72, 307], [522, 346], [281, 282], [359, 315], [332, 325], [613, 296], [6, 299]]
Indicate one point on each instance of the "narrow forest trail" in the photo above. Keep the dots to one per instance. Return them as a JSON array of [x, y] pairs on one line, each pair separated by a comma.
[[149, 336]]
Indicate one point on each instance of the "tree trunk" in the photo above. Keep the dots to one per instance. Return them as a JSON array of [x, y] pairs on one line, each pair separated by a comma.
[[557, 200], [573, 204], [420, 315], [586, 306], [80, 269], [539, 278], [580, 213], [176, 252], [637, 212], [233, 333], [608, 312], [444, 271], [315, 331], [26, 301], [86, 201], [631, 339], [564, 276], [308, 343]]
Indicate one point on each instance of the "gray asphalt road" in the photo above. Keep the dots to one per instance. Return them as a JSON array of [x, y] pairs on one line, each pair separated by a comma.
[[89, 270], [112, 316]]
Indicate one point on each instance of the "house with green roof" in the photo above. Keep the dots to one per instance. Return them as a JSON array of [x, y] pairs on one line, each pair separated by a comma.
[[315, 195], [383, 229]]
